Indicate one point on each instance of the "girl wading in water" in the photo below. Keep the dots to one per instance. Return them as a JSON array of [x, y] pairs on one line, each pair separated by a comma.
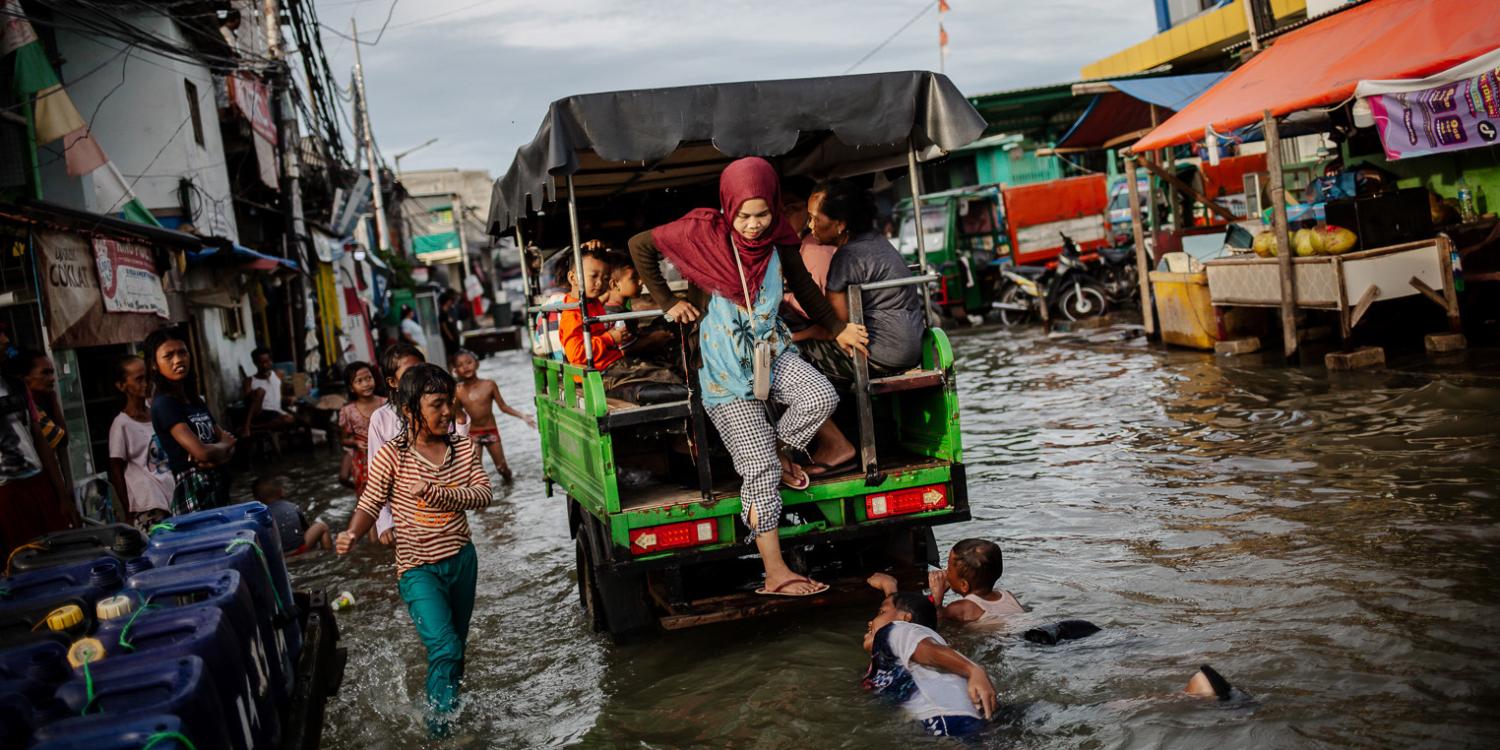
[[736, 259], [430, 476]]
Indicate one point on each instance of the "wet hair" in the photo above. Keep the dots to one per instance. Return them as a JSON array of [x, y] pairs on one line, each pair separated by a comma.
[[847, 202], [979, 562], [262, 488], [1222, 689], [422, 380], [453, 358], [159, 337], [923, 612], [257, 351], [390, 359], [122, 362]]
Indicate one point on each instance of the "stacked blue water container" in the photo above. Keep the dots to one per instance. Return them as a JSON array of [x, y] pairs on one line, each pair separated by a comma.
[[111, 640]]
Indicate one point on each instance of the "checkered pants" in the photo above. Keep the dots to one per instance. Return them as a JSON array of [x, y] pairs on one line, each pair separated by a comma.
[[747, 431]]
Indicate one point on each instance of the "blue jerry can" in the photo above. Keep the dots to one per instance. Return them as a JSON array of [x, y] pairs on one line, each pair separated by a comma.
[[208, 584], [128, 689], [78, 545], [117, 733], [205, 631], [90, 580]]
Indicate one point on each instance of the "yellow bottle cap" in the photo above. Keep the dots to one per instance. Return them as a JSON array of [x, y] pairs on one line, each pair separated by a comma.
[[85, 651], [118, 605], [64, 617]]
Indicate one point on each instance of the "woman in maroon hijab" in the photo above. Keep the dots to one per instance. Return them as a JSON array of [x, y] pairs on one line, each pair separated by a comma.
[[737, 260]]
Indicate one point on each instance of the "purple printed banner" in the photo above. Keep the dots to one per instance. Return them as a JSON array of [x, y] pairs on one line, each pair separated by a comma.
[[1462, 111]]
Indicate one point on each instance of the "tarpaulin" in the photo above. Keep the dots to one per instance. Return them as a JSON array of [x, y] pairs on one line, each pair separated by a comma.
[[1319, 64], [243, 257], [1118, 117], [657, 138]]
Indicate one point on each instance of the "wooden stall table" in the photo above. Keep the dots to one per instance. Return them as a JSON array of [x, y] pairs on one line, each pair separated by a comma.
[[1347, 284]]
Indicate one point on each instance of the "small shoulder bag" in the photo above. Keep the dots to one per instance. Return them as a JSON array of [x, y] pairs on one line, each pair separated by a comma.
[[763, 357]]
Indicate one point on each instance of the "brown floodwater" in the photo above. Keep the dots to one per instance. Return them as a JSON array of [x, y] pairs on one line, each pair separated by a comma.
[[1327, 541]]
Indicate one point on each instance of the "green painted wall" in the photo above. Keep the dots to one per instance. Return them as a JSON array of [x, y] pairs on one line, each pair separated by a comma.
[[1479, 166], [997, 166]]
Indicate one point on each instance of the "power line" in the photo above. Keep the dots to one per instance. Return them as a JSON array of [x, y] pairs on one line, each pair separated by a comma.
[[892, 37], [378, 35]]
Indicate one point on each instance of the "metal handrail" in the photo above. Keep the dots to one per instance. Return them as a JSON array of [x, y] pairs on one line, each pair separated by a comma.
[[894, 283], [606, 318]]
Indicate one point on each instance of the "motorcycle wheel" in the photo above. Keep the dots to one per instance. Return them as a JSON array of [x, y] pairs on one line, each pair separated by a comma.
[[1014, 296], [1079, 301]]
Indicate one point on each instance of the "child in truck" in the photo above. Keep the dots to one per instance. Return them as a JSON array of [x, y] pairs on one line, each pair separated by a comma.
[[475, 395], [911, 665], [629, 379]]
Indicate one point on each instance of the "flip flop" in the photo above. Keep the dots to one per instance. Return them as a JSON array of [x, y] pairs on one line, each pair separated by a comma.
[[779, 592], [801, 484], [827, 471]]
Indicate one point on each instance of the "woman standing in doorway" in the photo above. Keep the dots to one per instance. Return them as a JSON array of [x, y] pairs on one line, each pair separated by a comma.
[[736, 259], [197, 449]]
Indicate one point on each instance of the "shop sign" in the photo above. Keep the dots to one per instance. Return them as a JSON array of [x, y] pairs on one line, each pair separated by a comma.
[[127, 278], [1416, 118], [75, 311], [253, 99]]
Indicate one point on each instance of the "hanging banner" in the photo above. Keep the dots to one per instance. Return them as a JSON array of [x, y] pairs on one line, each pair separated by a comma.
[[253, 99], [127, 278], [1454, 110], [76, 315]]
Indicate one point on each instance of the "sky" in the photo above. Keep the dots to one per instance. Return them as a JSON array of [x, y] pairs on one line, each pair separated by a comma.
[[478, 76]]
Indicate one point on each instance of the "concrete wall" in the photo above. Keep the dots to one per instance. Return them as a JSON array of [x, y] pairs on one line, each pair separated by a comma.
[[138, 110]]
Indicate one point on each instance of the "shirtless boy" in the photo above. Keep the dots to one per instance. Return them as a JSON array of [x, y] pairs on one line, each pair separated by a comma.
[[476, 394]]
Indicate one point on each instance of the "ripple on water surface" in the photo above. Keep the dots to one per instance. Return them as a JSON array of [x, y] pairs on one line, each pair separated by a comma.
[[1329, 543]]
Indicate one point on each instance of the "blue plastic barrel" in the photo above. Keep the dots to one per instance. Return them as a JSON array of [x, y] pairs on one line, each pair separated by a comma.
[[90, 580], [26, 622], [45, 660], [251, 516], [212, 585], [18, 717], [117, 733], [205, 631], [127, 689], [238, 550], [78, 545]]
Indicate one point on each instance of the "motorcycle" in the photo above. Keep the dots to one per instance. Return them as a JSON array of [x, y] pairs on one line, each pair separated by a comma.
[[1066, 288], [1118, 274]]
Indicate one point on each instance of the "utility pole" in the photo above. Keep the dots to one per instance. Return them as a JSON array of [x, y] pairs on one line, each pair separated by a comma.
[[382, 233], [290, 137], [1249, 6]]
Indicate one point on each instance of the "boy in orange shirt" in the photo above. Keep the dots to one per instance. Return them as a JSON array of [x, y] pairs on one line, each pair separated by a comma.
[[631, 380]]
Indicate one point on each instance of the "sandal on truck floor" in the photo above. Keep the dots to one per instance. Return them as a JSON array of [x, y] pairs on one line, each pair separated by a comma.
[[778, 591]]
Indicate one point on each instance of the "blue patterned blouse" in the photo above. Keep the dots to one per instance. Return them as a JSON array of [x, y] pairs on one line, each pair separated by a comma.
[[727, 336]]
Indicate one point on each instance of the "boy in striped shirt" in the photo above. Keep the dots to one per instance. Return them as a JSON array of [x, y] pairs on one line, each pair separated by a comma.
[[429, 477]]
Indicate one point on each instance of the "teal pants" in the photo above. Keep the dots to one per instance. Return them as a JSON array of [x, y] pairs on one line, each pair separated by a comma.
[[440, 598]]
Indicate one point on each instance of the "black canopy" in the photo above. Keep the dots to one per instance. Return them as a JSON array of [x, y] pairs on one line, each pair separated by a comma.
[[628, 141]]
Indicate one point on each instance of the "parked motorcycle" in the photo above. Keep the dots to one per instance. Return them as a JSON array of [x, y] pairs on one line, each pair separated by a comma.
[[1067, 288], [1118, 274]]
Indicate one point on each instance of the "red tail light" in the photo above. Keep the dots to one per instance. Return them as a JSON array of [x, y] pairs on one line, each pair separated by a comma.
[[673, 536], [910, 500]]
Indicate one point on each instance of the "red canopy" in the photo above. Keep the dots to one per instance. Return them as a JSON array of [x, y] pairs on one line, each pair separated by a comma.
[[1319, 64]]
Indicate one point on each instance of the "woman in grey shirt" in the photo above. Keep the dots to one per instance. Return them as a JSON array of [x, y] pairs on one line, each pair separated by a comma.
[[842, 214]]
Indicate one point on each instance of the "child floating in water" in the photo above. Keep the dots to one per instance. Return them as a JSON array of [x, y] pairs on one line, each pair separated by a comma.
[[974, 567], [912, 665], [475, 394], [297, 535]]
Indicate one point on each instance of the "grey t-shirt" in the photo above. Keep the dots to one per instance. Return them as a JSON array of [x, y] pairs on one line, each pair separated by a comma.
[[893, 316]]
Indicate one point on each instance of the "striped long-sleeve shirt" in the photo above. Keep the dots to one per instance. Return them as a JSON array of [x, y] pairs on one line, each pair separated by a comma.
[[434, 527]]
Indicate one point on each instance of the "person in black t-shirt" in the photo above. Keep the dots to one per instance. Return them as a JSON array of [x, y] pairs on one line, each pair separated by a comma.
[[198, 451]]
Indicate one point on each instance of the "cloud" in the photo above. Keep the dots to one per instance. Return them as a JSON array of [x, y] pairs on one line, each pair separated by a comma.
[[479, 76]]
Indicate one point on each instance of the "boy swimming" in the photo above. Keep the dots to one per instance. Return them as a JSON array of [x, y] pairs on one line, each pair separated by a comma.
[[913, 666]]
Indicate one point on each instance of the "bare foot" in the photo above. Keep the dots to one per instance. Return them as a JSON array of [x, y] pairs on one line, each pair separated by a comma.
[[506, 475]]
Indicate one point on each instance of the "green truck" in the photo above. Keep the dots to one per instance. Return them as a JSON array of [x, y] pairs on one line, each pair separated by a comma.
[[651, 497]]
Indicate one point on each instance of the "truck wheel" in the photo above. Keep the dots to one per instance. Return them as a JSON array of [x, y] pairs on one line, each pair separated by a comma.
[[614, 602], [588, 593]]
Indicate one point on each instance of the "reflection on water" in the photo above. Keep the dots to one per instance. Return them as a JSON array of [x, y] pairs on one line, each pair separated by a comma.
[[1328, 542]]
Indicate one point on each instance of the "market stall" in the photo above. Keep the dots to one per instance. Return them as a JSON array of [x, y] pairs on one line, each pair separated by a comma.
[[1430, 88]]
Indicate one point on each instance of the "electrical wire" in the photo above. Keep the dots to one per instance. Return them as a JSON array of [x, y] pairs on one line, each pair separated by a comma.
[[892, 37]]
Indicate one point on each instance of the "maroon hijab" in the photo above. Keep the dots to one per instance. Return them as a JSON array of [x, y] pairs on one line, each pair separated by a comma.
[[698, 243]]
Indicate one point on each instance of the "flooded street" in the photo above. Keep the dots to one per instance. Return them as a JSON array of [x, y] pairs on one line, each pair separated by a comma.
[[1329, 543]]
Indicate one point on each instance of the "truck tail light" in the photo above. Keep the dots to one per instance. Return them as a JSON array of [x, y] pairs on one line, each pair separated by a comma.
[[673, 536], [909, 500]]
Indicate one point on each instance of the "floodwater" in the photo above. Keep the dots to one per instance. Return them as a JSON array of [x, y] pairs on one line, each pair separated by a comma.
[[1328, 542]]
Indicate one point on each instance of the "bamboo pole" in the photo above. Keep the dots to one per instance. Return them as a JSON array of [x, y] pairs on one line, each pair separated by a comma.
[[1284, 250], [1142, 261], [1186, 189]]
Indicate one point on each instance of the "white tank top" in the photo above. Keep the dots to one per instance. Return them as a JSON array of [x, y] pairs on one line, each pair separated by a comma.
[[996, 612]]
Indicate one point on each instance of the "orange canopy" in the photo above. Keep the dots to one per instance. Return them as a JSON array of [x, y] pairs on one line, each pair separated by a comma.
[[1319, 64]]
